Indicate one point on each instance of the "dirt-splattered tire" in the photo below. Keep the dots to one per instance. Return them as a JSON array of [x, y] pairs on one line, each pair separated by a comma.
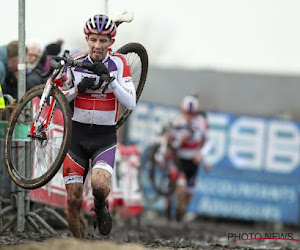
[[32, 162], [160, 176]]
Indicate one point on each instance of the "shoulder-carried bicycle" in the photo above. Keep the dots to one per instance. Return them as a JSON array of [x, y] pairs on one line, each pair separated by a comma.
[[39, 129]]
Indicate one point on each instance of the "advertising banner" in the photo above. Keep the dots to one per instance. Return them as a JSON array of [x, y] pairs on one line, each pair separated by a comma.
[[255, 164]]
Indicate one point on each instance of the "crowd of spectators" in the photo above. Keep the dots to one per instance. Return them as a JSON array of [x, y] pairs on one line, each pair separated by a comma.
[[37, 57]]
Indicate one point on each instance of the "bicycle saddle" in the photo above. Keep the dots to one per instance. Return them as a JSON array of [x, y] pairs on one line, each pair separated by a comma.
[[122, 16]]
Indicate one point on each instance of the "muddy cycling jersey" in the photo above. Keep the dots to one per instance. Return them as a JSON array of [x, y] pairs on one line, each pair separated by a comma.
[[197, 131], [92, 107]]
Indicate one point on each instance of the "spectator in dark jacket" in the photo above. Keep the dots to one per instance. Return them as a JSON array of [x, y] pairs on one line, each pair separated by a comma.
[[33, 56], [8, 64], [52, 49]]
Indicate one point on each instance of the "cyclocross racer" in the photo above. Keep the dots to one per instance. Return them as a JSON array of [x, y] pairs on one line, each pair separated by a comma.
[[93, 122], [190, 133]]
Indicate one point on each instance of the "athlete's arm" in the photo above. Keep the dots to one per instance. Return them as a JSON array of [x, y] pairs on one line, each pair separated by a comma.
[[70, 90], [208, 142], [123, 86], [178, 133], [70, 94]]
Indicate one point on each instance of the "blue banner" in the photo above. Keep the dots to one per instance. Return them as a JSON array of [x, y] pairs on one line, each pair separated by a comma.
[[255, 164]]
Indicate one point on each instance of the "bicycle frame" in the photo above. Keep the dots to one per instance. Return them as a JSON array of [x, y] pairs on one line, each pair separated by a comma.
[[49, 84]]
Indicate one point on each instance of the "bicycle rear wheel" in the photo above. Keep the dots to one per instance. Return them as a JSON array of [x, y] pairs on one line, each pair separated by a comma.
[[32, 161], [137, 58], [163, 170]]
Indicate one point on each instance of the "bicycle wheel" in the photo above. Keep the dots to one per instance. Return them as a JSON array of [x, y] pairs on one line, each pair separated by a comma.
[[150, 196], [163, 170], [32, 161], [137, 58]]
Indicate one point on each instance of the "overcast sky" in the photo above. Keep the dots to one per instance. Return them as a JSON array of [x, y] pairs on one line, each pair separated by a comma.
[[235, 35]]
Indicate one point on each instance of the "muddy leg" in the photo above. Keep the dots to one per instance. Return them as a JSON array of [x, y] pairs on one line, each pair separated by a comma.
[[180, 202], [74, 213], [100, 184], [101, 189]]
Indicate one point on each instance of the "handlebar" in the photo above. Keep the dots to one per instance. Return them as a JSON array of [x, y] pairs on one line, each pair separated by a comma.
[[58, 62]]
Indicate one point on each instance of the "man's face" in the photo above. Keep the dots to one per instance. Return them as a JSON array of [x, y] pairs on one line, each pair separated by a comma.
[[33, 56], [188, 116], [98, 45]]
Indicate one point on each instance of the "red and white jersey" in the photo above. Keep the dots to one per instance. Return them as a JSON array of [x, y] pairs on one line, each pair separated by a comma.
[[92, 107], [197, 132]]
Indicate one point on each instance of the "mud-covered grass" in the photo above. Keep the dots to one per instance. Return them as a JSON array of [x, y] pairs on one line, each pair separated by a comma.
[[155, 232]]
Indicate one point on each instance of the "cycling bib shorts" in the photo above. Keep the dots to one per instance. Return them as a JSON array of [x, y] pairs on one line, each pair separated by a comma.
[[95, 142]]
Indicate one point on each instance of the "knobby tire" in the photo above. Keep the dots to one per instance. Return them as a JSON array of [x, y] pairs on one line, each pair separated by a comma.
[[9, 148]]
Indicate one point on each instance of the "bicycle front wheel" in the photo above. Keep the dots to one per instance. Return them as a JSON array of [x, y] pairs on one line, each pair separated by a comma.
[[32, 161], [137, 58]]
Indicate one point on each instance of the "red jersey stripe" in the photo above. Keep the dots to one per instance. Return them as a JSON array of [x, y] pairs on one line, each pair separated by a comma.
[[191, 145], [95, 104]]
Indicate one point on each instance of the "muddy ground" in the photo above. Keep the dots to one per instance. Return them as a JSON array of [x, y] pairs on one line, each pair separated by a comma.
[[155, 232]]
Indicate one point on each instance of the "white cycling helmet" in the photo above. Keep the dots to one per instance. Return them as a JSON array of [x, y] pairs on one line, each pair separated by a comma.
[[190, 105]]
